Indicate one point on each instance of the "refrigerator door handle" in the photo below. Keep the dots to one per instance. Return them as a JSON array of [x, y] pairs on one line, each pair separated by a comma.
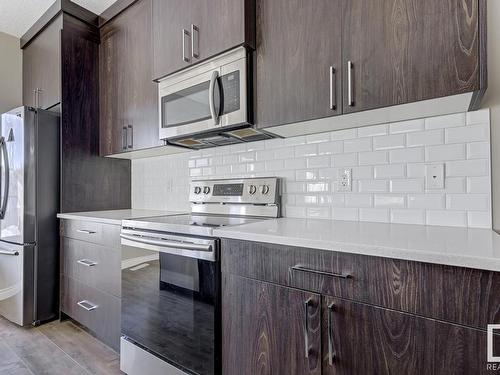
[[3, 146]]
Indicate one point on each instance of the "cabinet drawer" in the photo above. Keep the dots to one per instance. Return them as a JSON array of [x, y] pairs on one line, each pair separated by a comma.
[[101, 234], [91, 264], [98, 311], [460, 295]]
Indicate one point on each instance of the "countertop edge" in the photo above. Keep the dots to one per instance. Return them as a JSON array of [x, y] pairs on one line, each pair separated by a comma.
[[486, 264], [90, 218]]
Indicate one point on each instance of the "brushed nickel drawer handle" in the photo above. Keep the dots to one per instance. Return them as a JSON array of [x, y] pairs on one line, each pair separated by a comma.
[[89, 306], [331, 349], [9, 252], [318, 272], [86, 262], [306, 326], [85, 231]]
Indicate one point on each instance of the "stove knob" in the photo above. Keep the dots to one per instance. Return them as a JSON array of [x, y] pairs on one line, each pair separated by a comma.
[[264, 189], [206, 190], [252, 189], [197, 190]]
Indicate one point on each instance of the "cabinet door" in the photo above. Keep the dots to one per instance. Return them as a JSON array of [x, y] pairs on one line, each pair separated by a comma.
[[364, 339], [170, 18], [112, 88], [297, 46], [141, 108], [42, 68], [403, 51], [266, 329], [220, 25], [128, 97]]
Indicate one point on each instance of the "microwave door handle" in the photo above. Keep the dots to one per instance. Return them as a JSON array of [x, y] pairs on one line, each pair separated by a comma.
[[211, 95]]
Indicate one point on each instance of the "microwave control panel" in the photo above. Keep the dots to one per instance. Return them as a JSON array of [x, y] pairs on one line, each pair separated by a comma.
[[230, 85]]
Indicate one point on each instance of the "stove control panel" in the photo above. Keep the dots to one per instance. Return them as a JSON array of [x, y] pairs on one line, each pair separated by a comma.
[[249, 190]]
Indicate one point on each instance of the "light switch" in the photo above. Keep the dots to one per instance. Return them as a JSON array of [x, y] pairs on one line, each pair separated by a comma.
[[434, 176]]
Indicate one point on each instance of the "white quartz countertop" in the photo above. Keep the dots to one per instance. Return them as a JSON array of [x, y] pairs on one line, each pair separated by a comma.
[[462, 247], [115, 216]]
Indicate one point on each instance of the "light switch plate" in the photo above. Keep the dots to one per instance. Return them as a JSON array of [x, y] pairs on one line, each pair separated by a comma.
[[434, 176], [344, 180]]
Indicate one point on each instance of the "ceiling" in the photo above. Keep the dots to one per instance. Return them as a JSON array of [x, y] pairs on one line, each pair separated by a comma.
[[17, 16]]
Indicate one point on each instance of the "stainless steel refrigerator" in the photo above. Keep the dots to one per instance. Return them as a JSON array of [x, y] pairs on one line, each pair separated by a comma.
[[29, 199]]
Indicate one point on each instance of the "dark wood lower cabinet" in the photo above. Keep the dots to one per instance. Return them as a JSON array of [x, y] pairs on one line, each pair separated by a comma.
[[371, 340], [267, 327]]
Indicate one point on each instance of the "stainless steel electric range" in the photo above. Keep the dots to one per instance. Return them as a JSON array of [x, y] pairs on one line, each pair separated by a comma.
[[170, 319]]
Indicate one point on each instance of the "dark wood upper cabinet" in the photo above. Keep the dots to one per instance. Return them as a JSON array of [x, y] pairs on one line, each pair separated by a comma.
[[188, 31], [267, 328], [364, 339], [298, 43], [42, 68], [128, 97], [405, 51]]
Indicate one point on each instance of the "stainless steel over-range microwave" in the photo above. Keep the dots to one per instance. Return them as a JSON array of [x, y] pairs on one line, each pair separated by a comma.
[[209, 99]]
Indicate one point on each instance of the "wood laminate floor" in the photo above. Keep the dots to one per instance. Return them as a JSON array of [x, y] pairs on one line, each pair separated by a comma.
[[56, 348]]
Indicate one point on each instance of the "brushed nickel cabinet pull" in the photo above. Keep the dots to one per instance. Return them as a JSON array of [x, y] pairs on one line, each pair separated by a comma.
[[300, 268], [331, 350], [195, 42], [9, 252], [131, 143], [306, 326], [86, 262], [124, 138], [350, 94], [333, 96], [185, 33], [89, 306], [85, 231]]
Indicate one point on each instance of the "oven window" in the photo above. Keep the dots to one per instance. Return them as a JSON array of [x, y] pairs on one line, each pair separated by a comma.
[[170, 308], [186, 106]]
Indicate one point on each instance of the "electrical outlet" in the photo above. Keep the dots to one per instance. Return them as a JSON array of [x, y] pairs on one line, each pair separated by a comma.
[[344, 180], [434, 176]]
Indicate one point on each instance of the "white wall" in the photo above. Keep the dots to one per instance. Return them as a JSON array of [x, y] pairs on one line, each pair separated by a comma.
[[387, 161], [492, 100], [11, 85]]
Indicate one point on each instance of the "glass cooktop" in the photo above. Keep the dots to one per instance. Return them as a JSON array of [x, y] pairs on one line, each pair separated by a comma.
[[212, 221]]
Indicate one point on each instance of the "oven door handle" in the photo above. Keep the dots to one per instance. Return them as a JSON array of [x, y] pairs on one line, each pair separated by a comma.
[[164, 243]]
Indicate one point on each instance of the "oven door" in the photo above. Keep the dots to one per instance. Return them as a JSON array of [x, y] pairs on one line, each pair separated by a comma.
[[171, 299], [208, 101]]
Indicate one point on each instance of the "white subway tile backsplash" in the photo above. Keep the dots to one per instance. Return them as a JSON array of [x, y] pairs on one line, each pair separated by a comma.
[[425, 138], [388, 164], [373, 186], [429, 201], [407, 155], [357, 145], [340, 135], [479, 202], [389, 141], [345, 213], [446, 218], [373, 158], [327, 148], [407, 126], [345, 160], [441, 122], [390, 171], [408, 216], [374, 215], [389, 200], [445, 152], [479, 185], [470, 133], [478, 117], [478, 150], [371, 131], [479, 167], [413, 185]]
